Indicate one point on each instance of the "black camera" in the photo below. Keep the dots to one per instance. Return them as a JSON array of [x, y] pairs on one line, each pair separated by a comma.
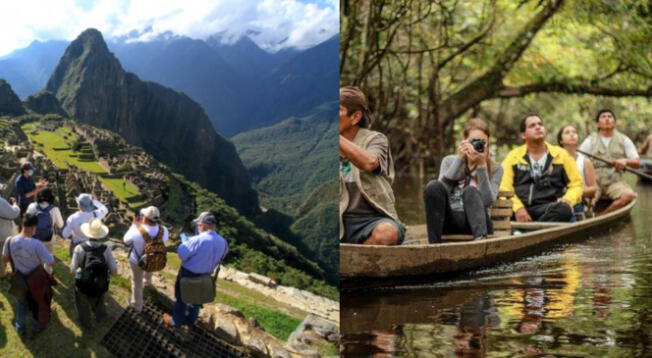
[[478, 145]]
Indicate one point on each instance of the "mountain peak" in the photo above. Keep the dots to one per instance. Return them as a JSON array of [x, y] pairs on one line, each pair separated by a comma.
[[90, 40], [91, 85]]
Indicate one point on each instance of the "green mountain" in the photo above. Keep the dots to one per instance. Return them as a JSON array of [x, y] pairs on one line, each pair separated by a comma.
[[93, 88], [44, 102], [292, 165], [9, 102]]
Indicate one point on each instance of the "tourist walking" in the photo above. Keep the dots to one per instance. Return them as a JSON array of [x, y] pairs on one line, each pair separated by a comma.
[[88, 209], [92, 263], [459, 201], [543, 176], [30, 282], [147, 239], [9, 211], [49, 217], [26, 188], [200, 256]]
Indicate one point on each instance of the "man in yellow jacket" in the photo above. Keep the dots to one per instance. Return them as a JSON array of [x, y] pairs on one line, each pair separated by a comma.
[[544, 177]]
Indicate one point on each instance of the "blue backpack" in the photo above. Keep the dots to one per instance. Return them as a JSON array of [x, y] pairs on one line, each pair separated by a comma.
[[44, 230]]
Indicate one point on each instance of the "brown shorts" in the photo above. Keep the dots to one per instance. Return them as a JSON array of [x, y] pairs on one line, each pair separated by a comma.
[[615, 190]]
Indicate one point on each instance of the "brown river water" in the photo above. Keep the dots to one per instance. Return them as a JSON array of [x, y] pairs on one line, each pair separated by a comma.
[[590, 298]]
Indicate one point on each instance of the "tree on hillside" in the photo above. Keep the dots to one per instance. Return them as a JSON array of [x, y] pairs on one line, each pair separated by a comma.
[[424, 64]]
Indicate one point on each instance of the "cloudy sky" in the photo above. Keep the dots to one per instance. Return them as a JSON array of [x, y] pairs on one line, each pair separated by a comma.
[[273, 24]]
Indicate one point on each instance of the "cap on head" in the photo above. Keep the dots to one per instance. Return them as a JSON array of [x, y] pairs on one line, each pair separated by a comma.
[[26, 166], [353, 99], [206, 218], [151, 212], [85, 202]]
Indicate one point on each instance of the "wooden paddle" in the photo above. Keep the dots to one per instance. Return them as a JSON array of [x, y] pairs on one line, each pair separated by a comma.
[[631, 170]]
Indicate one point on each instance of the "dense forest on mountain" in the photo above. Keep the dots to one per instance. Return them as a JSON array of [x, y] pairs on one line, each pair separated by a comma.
[[429, 65]]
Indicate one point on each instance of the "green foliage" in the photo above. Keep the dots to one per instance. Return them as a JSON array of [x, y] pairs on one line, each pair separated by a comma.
[[124, 167], [290, 162], [275, 323], [426, 66], [52, 117]]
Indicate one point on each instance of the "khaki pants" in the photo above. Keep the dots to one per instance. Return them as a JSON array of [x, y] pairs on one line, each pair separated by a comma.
[[137, 275]]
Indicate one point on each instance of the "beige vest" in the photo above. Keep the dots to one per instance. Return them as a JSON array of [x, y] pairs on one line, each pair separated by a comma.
[[376, 189], [606, 174]]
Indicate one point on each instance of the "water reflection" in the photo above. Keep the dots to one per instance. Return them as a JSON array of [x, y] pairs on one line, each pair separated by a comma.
[[587, 299]]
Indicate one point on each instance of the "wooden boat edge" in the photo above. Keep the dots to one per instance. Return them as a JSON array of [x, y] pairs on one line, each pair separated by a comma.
[[375, 261]]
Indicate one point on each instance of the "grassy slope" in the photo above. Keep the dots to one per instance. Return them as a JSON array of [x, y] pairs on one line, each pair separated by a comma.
[[46, 142], [64, 335]]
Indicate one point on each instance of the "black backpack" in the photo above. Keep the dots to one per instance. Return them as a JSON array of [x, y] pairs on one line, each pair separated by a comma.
[[93, 280]]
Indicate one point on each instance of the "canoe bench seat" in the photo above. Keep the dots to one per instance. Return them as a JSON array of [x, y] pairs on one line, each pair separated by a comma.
[[501, 213]]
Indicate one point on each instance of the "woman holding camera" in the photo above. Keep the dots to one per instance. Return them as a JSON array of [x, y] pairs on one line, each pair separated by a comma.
[[458, 203]]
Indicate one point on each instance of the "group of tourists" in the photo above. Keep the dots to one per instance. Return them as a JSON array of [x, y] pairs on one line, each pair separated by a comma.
[[549, 182], [30, 255]]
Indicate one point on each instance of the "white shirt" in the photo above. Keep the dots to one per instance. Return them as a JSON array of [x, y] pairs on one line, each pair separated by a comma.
[[630, 148], [538, 165], [75, 221], [580, 165], [55, 213], [134, 238]]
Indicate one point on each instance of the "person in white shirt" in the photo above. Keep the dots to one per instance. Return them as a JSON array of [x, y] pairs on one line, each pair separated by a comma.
[[149, 221], [612, 145], [44, 203], [89, 208], [9, 211]]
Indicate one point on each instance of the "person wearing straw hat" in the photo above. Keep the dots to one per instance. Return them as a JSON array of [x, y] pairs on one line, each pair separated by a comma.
[[89, 208], [91, 264], [199, 255], [149, 225]]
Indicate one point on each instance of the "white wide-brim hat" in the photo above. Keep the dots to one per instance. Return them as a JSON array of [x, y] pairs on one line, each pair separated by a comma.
[[94, 229]]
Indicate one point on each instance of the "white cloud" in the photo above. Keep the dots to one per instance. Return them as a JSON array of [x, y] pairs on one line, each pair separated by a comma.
[[273, 24]]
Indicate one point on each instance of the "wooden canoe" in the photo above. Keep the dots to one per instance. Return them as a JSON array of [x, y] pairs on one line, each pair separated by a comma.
[[645, 180], [373, 261]]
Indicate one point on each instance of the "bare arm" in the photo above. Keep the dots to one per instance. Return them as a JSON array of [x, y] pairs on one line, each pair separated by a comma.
[[359, 157], [590, 184], [646, 144]]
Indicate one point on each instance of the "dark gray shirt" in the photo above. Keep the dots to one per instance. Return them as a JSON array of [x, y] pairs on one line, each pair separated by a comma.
[[358, 206], [452, 169]]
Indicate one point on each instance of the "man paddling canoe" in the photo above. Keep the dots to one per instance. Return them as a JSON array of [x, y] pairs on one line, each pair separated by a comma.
[[367, 213], [612, 145]]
